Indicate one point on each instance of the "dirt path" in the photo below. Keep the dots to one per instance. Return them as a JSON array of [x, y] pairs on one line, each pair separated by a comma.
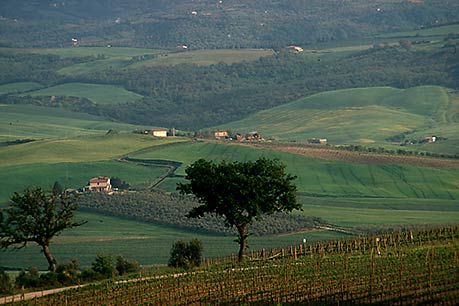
[[361, 157], [36, 294]]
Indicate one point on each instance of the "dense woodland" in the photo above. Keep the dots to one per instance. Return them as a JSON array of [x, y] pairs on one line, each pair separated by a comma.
[[210, 23]]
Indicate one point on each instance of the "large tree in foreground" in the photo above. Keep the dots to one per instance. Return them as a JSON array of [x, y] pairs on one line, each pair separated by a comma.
[[240, 192], [36, 217]]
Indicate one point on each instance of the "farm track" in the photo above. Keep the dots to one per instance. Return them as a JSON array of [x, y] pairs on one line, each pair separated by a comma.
[[361, 157]]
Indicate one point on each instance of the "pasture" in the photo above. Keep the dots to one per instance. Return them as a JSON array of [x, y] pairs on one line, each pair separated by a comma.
[[36, 122], [99, 94]]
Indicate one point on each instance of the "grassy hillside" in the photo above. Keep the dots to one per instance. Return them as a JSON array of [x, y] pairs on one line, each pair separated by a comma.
[[99, 94], [35, 122], [18, 87], [363, 116], [327, 178], [73, 162]]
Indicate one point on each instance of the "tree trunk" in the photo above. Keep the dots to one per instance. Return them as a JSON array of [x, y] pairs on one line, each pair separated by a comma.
[[49, 258], [242, 230]]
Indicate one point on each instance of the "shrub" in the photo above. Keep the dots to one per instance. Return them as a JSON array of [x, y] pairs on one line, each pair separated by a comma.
[[29, 279], [124, 265], [5, 282], [186, 255]]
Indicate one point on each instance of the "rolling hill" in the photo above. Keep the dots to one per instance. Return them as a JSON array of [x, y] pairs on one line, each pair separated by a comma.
[[368, 116]]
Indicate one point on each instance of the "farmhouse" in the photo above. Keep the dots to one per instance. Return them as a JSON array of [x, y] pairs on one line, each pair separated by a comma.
[[221, 134], [430, 139], [99, 184], [253, 136], [318, 140], [159, 132]]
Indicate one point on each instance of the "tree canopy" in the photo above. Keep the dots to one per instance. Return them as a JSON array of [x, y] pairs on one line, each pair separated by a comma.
[[36, 217], [240, 192]]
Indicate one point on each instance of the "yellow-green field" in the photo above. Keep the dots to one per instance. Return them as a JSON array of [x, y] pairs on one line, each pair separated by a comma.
[[206, 57]]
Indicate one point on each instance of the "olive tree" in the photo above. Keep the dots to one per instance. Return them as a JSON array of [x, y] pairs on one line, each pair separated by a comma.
[[36, 217], [240, 192]]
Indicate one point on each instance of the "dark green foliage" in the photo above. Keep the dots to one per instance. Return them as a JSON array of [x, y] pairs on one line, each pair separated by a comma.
[[103, 265], [68, 273], [186, 254], [57, 189], [5, 283], [118, 183], [36, 217], [124, 265], [240, 192]]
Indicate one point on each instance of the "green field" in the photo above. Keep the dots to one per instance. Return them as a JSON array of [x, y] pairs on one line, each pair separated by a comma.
[[363, 116], [99, 94], [35, 122], [113, 52], [206, 57], [18, 87], [147, 243]]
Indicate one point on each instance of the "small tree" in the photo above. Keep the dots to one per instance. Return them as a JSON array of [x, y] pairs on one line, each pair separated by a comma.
[[240, 192], [186, 255], [36, 217]]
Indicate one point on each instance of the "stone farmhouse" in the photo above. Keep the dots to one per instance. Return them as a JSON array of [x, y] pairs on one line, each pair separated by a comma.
[[99, 184]]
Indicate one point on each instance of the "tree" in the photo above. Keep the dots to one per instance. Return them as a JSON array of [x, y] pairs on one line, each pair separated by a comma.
[[57, 188], [36, 217], [240, 192]]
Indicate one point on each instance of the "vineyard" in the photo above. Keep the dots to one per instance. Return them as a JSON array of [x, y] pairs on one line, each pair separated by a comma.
[[413, 267]]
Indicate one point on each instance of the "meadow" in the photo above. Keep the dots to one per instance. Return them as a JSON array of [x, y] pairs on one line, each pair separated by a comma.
[[99, 94]]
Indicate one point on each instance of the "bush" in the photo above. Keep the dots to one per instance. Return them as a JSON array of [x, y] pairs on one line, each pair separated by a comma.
[[186, 255], [5, 283], [124, 265], [29, 279], [103, 265], [67, 273]]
